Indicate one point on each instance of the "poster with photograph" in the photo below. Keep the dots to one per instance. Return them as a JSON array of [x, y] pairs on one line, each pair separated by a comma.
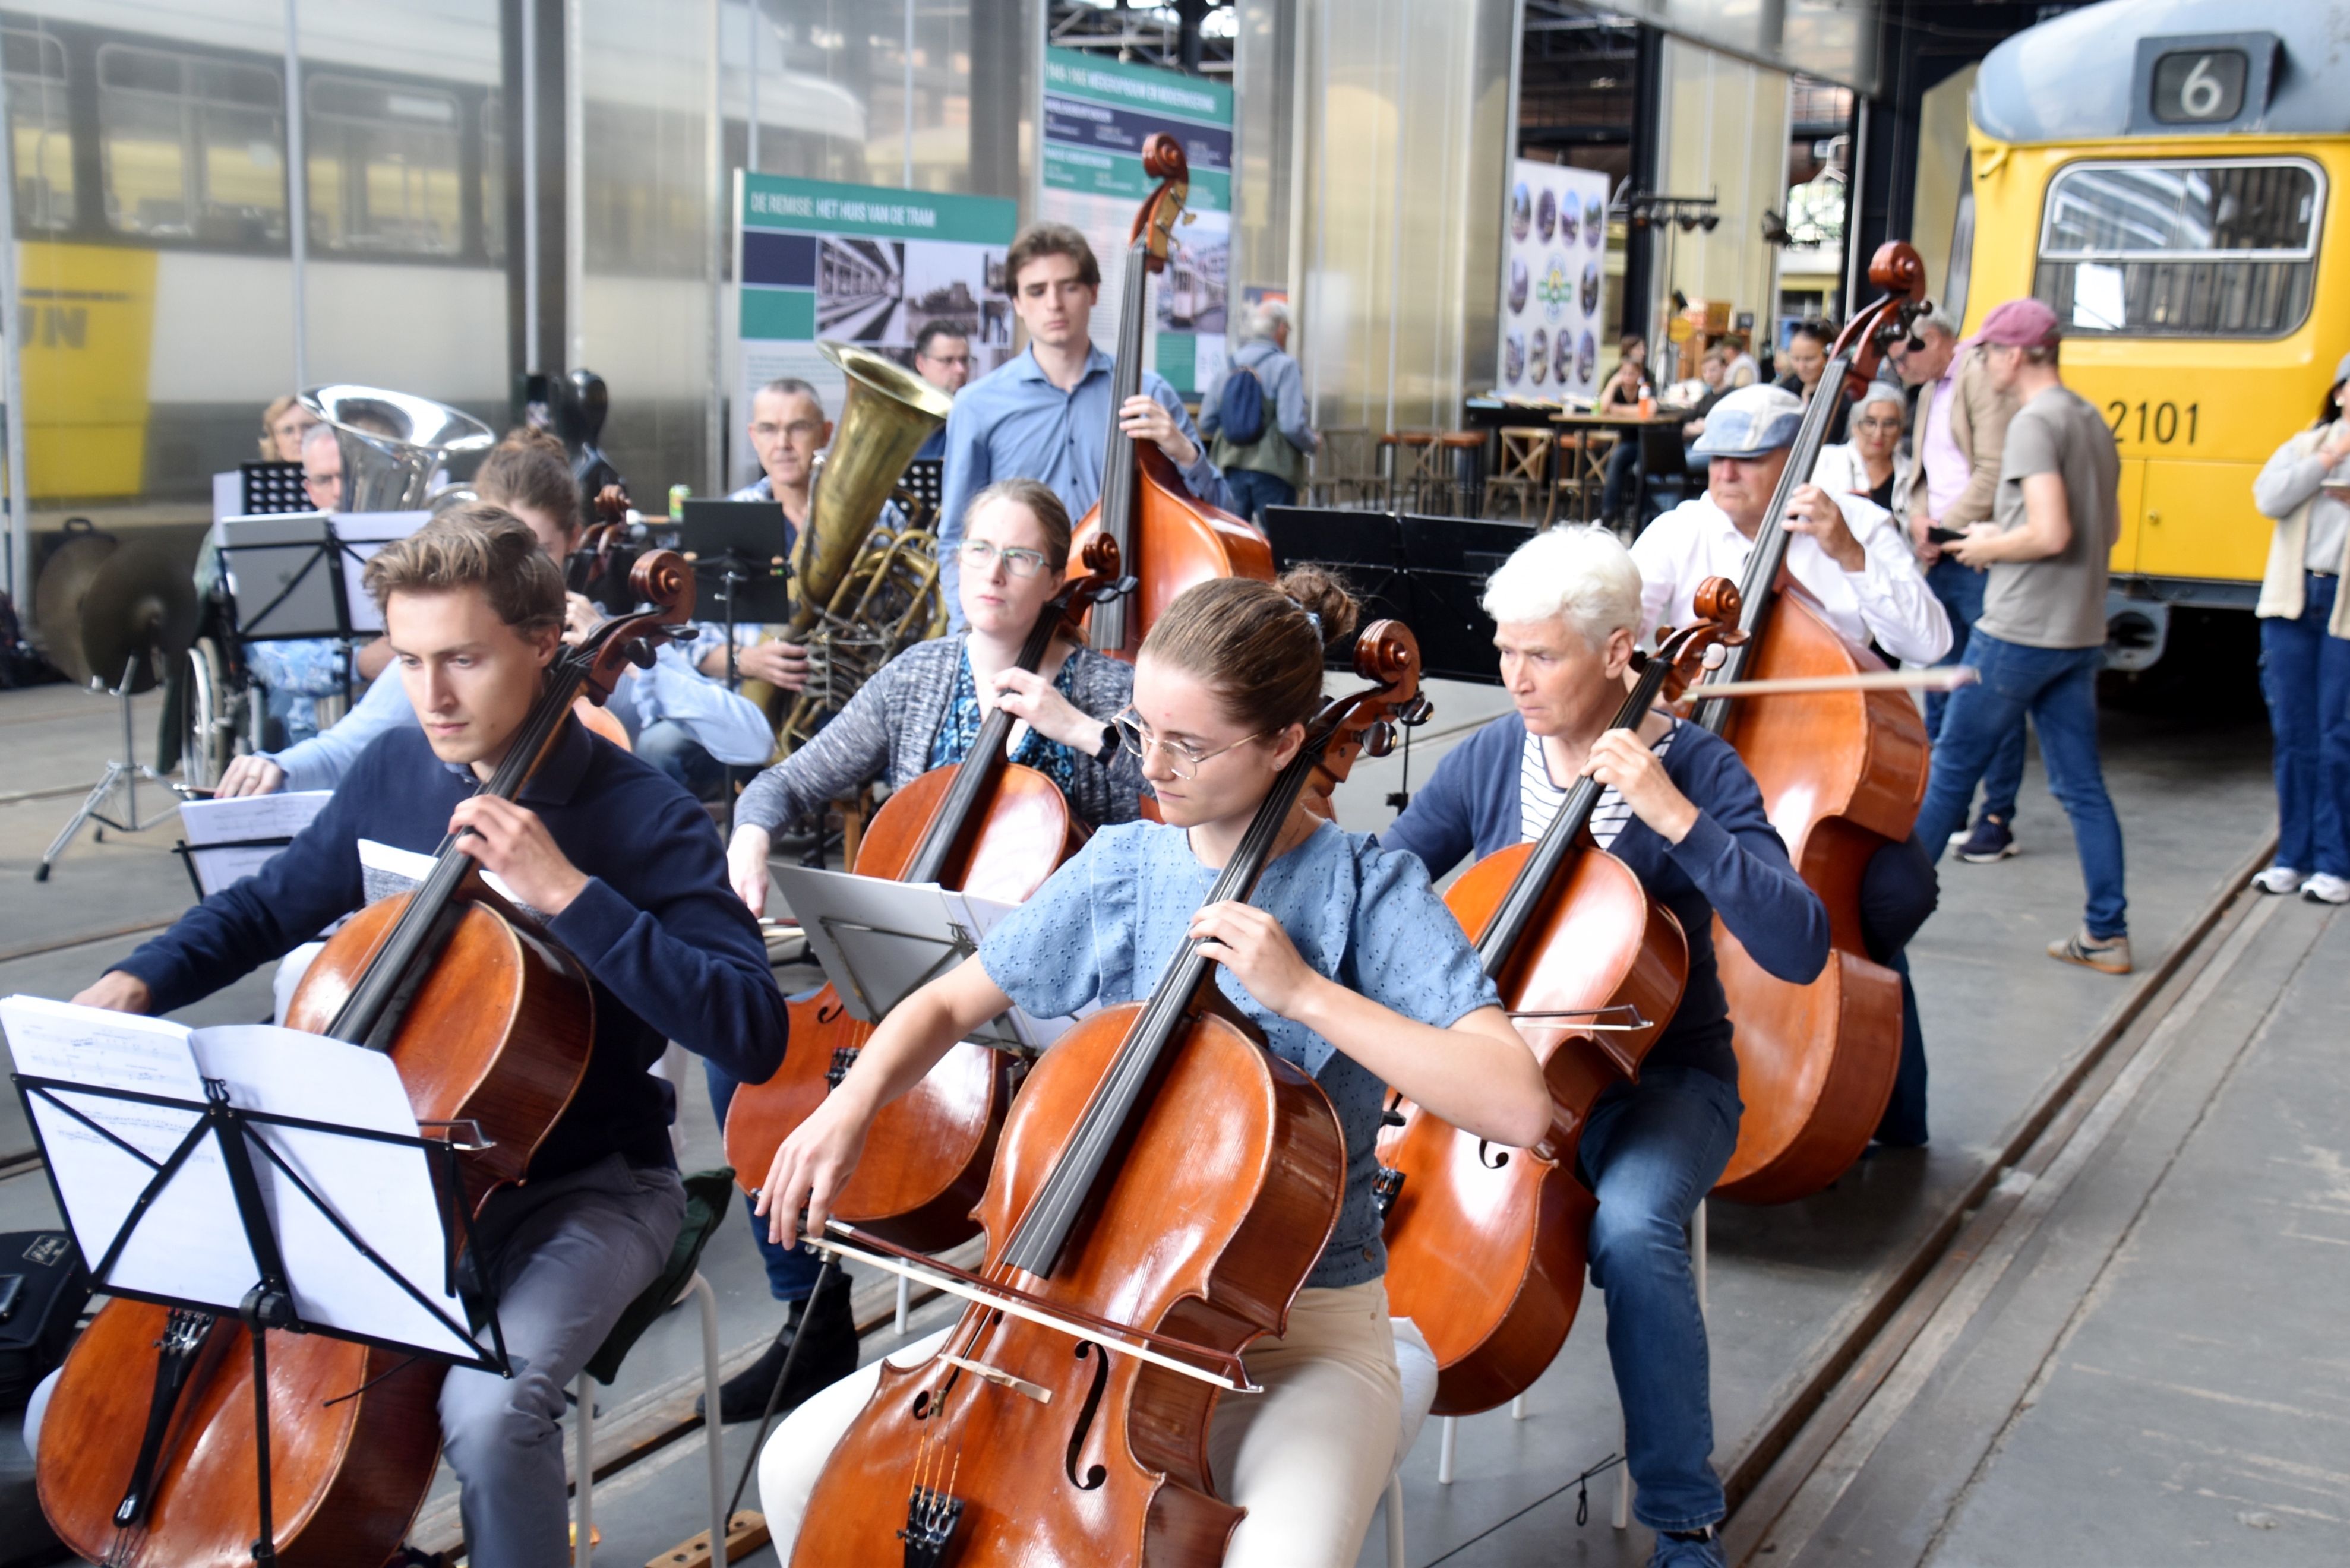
[[864, 265], [1097, 115], [1553, 250]]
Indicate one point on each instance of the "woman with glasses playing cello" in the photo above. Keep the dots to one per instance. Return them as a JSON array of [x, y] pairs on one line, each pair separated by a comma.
[[923, 711], [1345, 959]]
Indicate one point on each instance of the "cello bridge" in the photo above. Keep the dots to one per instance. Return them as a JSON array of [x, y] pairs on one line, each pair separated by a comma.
[[932, 1516], [844, 1057]]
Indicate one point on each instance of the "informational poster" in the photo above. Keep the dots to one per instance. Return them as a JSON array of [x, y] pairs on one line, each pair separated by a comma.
[[1553, 261], [1098, 114], [864, 264]]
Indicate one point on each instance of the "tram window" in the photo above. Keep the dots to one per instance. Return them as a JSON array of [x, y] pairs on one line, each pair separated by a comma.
[[191, 148], [384, 171], [42, 134], [2203, 250]]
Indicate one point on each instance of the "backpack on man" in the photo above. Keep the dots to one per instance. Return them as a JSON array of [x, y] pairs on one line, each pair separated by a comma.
[[1239, 410]]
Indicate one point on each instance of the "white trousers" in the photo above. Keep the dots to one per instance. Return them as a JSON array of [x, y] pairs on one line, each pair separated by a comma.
[[1309, 1457]]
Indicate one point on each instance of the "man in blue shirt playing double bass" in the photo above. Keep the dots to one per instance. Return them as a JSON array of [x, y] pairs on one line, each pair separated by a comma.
[[619, 864], [1047, 414]]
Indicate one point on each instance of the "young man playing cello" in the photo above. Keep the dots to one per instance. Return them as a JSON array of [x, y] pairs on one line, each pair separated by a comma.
[[1045, 415], [620, 864], [1684, 814], [1856, 562]]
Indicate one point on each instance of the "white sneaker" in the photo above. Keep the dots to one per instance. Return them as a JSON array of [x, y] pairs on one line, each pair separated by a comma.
[[2279, 879], [2326, 889]]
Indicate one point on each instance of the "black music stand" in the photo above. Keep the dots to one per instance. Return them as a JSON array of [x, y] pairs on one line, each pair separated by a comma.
[[270, 1303], [743, 544], [272, 487], [290, 569], [1427, 572]]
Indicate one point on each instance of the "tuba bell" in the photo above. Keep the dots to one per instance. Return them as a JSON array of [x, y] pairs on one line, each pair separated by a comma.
[[863, 593], [393, 444]]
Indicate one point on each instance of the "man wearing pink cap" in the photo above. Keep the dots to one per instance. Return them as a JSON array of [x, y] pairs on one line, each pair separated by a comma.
[[2040, 638]]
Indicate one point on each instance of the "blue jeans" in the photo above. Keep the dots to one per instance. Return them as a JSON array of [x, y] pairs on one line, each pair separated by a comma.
[[670, 747], [1960, 589], [1621, 465], [791, 1270], [2306, 675], [1253, 491], [1898, 891], [2058, 687], [1651, 1153]]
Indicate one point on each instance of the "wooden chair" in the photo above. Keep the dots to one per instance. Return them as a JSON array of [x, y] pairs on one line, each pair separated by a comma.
[[1524, 476], [1583, 457], [1456, 474], [1345, 471], [1409, 460]]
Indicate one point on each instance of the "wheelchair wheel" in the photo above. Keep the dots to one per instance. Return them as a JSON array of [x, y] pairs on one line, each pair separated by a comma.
[[211, 736]]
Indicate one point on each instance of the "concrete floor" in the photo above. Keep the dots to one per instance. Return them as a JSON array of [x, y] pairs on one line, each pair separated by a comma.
[[2002, 1024]]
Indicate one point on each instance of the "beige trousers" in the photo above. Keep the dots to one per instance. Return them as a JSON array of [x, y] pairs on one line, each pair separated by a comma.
[[1309, 1457]]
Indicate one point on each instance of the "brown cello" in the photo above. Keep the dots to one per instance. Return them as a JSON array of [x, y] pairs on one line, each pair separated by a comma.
[[986, 825], [1164, 1188], [487, 1020], [1167, 538], [1842, 774], [1486, 1246]]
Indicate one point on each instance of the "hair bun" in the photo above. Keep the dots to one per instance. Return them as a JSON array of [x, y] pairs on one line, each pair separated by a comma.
[[1323, 594], [523, 437]]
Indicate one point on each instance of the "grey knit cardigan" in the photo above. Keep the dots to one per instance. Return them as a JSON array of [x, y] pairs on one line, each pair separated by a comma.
[[886, 731]]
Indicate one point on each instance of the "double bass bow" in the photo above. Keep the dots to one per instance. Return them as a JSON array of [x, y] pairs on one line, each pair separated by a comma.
[[1169, 538], [985, 825], [1842, 773], [1486, 1246], [1163, 1189], [487, 1019]]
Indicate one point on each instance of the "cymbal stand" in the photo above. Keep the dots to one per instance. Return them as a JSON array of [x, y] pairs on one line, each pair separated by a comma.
[[123, 773]]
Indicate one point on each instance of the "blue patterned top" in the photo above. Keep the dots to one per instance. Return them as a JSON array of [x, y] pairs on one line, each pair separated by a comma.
[[959, 730], [1105, 927]]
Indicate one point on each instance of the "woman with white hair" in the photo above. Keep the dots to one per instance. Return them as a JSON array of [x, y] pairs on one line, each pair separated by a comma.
[[1868, 463], [1681, 811]]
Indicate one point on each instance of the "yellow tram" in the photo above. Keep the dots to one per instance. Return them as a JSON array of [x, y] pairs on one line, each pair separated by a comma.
[[2161, 172]]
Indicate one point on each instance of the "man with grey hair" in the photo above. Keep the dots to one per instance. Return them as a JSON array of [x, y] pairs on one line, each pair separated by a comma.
[[1855, 563], [1681, 810], [1951, 472], [1262, 465]]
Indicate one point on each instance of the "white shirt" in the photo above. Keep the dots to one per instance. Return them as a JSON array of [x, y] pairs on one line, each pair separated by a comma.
[[1886, 602], [1539, 800]]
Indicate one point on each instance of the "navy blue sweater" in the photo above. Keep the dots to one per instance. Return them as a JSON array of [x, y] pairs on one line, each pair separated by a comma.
[[1732, 863], [671, 953]]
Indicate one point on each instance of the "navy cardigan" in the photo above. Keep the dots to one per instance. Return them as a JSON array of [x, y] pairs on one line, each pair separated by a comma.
[[1731, 863], [671, 953]]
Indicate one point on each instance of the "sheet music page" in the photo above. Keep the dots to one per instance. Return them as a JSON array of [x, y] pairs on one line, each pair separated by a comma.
[[209, 823], [979, 916], [383, 1192], [179, 1246]]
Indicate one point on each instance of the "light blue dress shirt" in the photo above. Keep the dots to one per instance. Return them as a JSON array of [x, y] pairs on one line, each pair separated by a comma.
[[1013, 423], [728, 727], [1102, 928]]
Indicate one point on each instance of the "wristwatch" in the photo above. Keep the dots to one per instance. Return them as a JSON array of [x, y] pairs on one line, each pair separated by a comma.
[[1108, 751]]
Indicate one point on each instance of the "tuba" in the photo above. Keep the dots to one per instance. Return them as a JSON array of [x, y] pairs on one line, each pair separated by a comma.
[[393, 444], [863, 593]]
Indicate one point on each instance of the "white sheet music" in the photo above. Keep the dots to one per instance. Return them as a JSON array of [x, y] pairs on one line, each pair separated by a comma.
[[209, 823], [191, 1243], [181, 1238]]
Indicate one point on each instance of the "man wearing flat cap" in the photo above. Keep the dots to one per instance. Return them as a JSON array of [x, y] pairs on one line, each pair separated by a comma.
[[1855, 560], [2042, 636]]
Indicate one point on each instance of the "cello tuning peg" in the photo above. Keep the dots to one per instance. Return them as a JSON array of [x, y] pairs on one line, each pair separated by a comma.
[[640, 654], [1716, 655], [1418, 711], [1379, 739]]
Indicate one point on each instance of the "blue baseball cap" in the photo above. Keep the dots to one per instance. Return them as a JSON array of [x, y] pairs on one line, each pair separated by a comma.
[[1751, 422]]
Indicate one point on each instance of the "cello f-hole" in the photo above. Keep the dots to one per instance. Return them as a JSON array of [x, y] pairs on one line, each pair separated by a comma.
[[1096, 1475], [1489, 1157]]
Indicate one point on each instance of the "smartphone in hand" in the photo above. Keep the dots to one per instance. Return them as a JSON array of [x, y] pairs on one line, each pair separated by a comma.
[[1940, 535]]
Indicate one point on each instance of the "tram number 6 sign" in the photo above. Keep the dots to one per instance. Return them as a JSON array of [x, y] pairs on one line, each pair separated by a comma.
[[2199, 86], [2165, 423]]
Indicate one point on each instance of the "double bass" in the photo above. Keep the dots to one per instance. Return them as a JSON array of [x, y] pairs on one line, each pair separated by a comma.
[[1167, 538], [487, 1019], [1486, 1246], [985, 825], [1842, 774], [1164, 1188]]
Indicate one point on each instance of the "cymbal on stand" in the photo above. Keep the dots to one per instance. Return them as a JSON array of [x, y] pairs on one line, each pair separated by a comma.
[[139, 608], [65, 579]]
